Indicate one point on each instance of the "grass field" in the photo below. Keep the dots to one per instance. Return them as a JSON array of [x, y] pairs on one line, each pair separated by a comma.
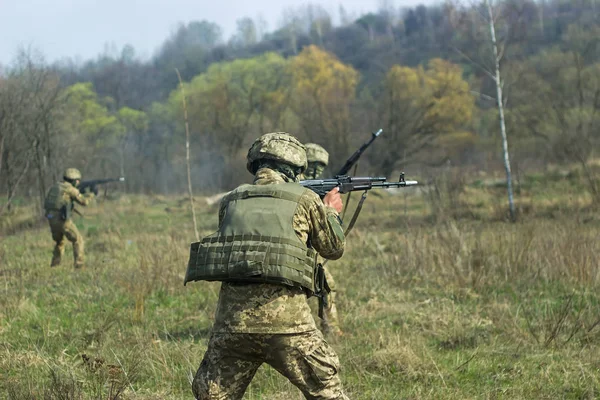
[[440, 298]]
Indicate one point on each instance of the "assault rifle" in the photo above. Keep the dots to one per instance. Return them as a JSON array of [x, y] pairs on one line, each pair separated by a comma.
[[92, 185], [346, 184], [353, 183], [354, 157]]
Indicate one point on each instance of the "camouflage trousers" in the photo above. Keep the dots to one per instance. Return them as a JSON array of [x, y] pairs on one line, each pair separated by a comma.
[[62, 230], [330, 323], [232, 359]]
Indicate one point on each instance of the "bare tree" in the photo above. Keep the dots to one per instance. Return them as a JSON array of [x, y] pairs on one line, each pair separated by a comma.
[[29, 105], [42, 87], [187, 156], [490, 63], [497, 77]]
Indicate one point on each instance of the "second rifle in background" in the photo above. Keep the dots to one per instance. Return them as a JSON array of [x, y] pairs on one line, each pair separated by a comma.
[[354, 157]]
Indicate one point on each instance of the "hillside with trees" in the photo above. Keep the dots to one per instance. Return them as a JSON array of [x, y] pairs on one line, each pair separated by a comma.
[[480, 282], [424, 75]]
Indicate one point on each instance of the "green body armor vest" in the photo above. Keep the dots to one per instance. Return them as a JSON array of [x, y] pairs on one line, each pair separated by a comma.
[[256, 242], [55, 200]]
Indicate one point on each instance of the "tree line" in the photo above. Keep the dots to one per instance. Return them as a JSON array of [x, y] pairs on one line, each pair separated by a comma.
[[421, 74]]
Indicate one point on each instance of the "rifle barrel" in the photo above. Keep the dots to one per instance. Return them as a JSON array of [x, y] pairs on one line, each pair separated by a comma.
[[386, 185], [354, 157]]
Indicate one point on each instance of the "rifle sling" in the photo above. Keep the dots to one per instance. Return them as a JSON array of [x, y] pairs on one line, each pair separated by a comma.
[[356, 212], [323, 289], [354, 217], [349, 194]]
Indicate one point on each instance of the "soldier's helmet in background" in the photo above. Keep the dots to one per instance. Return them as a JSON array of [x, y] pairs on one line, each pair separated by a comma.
[[72, 174], [316, 153], [277, 146]]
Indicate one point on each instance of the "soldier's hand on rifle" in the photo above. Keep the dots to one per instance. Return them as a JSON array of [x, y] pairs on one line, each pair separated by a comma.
[[334, 199], [90, 191], [89, 194]]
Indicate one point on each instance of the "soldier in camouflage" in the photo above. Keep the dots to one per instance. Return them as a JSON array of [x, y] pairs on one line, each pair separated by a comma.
[[59, 205], [263, 252], [318, 159]]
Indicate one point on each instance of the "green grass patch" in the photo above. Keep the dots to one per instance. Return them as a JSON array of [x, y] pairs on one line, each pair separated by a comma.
[[455, 305]]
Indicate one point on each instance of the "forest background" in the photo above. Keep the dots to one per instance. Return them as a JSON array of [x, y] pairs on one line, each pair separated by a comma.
[[439, 295], [422, 74]]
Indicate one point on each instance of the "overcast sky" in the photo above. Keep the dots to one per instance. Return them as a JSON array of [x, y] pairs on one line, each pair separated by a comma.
[[81, 29]]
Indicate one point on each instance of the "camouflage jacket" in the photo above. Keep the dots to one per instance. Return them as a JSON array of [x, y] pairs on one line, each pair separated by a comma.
[[277, 309]]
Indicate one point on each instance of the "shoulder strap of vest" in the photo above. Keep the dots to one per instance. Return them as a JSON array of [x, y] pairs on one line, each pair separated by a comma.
[[273, 191]]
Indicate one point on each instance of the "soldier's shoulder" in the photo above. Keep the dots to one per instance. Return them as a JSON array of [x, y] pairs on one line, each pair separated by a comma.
[[301, 194], [240, 189], [310, 197], [232, 195], [72, 190], [63, 186]]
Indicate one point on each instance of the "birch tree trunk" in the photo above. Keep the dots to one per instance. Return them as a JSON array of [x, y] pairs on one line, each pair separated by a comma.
[[500, 102], [187, 157]]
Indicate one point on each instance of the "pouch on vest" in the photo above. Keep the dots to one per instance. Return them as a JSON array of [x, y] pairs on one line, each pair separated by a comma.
[[65, 212], [322, 289]]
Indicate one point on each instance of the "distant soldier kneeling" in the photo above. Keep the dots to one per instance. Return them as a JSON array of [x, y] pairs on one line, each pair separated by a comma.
[[59, 205]]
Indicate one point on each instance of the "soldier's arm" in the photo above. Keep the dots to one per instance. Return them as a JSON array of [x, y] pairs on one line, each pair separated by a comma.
[[76, 196], [325, 231]]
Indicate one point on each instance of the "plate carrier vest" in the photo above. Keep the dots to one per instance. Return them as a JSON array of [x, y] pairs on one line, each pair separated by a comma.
[[55, 200], [256, 242]]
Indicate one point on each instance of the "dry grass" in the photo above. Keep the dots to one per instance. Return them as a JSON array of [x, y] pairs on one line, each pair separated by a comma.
[[458, 305]]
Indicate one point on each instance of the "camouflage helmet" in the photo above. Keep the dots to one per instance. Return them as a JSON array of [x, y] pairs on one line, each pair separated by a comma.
[[316, 153], [277, 146], [72, 174]]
